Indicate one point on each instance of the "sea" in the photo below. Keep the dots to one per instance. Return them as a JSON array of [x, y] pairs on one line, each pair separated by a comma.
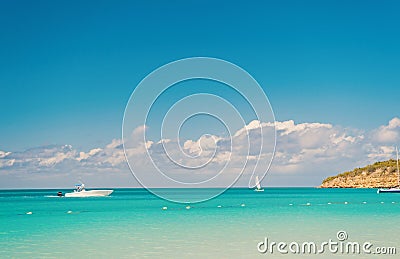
[[240, 223]]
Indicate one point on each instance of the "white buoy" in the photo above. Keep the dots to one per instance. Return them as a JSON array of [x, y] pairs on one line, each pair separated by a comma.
[[365, 202], [290, 204], [29, 213], [164, 208], [243, 205], [219, 206], [382, 202], [393, 202], [346, 202], [69, 212], [188, 207], [329, 203], [308, 204]]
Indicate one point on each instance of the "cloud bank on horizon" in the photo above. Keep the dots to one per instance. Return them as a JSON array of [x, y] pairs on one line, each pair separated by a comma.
[[305, 154]]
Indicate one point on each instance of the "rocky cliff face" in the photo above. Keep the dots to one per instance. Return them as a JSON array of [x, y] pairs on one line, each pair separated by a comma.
[[378, 175]]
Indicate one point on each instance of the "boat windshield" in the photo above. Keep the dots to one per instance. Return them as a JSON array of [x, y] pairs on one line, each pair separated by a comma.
[[79, 187]]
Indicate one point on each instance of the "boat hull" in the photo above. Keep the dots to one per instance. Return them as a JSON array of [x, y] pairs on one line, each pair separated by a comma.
[[91, 193], [393, 190]]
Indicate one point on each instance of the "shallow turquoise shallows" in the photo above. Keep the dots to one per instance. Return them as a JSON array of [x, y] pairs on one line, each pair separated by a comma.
[[132, 223]]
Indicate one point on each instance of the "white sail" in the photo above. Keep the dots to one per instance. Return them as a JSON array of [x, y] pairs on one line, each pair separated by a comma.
[[258, 183]]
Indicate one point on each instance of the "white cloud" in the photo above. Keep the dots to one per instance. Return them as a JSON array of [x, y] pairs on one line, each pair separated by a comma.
[[388, 133], [288, 127], [92, 152], [4, 154], [56, 159], [6, 163], [305, 153]]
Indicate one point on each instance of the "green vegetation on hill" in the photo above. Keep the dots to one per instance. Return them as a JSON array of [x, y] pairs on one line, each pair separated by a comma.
[[379, 174]]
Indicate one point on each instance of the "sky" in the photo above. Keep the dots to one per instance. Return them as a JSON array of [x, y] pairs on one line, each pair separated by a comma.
[[68, 69]]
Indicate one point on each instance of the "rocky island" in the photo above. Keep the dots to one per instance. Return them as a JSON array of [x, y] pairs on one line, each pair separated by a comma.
[[378, 175]]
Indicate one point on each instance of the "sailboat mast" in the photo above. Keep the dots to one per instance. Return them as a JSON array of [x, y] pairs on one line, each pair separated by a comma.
[[398, 172]]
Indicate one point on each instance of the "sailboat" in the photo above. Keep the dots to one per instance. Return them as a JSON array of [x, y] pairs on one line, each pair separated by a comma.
[[393, 190], [258, 186]]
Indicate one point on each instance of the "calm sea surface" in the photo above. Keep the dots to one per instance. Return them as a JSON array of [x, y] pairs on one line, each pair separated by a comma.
[[131, 223]]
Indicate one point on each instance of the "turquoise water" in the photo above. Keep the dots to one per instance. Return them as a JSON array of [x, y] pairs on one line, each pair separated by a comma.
[[131, 223]]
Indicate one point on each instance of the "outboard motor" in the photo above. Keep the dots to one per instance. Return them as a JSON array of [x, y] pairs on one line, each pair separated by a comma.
[[59, 194]]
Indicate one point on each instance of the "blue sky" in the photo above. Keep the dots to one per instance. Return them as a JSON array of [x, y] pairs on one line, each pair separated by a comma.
[[69, 67]]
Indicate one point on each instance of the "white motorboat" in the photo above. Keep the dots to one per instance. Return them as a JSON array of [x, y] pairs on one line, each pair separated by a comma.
[[393, 190], [258, 185], [80, 191]]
